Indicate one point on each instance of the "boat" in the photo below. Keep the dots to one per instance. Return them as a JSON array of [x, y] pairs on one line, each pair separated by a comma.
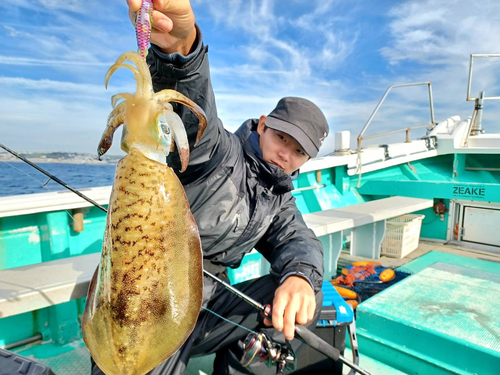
[[442, 319]]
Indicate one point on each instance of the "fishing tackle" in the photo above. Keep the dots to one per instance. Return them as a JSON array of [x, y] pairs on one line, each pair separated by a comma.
[[143, 26], [258, 347]]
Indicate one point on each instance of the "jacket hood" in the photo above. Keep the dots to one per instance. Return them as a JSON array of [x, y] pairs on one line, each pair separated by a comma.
[[273, 177]]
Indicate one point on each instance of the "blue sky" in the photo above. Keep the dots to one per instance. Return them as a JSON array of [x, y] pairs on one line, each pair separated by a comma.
[[341, 54]]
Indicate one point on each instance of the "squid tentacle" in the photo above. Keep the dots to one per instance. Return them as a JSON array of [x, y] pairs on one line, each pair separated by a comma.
[[124, 95], [142, 66], [166, 96], [133, 69], [115, 119]]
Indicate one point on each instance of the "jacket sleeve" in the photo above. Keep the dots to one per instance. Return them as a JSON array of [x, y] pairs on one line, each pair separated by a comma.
[[190, 75], [292, 248]]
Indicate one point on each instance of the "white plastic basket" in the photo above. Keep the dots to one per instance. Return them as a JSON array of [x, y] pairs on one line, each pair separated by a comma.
[[401, 235]]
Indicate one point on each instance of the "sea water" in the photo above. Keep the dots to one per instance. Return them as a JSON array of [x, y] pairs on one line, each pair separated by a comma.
[[20, 178]]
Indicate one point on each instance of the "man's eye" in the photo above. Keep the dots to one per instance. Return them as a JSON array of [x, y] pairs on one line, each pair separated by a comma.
[[301, 152], [281, 137]]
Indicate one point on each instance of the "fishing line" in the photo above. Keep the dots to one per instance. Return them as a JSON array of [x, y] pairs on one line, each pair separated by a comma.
[[54, 178], [43, 184], [229, 321]]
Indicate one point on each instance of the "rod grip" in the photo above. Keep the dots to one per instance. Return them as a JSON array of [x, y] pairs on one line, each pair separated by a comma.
[[316, 342]]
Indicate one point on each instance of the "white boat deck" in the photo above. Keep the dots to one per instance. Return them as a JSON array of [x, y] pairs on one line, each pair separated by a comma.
[[423, 248]]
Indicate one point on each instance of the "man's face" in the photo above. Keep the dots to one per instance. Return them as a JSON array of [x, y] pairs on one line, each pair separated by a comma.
[[280, 149]]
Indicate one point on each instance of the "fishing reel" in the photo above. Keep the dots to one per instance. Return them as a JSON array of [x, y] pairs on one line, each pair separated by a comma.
[[258, 347]]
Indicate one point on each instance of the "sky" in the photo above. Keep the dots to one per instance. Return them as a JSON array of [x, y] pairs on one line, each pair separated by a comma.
[[341, 54]]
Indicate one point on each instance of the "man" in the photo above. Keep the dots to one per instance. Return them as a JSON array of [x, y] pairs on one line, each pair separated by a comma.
[[239, 189]]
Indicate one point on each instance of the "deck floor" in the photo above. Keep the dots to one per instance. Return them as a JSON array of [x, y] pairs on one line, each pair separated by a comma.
[[423, 248], [441, 320]]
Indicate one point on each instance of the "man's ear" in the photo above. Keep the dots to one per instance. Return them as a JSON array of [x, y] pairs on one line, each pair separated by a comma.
[[261, 125]]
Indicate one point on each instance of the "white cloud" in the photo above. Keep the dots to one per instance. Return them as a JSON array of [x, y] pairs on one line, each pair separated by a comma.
[[49, 87], [26, 61], [55, 124], [280, 52], [436, 39], [438, 32], [71, 5]]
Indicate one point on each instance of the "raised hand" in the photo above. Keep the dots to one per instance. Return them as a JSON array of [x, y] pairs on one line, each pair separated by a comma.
[[173, 24]]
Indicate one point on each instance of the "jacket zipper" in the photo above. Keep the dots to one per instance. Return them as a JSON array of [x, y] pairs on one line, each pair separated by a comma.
[[236, 223]]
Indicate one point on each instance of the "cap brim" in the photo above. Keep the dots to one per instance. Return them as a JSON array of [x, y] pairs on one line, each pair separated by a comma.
[[297, 133]]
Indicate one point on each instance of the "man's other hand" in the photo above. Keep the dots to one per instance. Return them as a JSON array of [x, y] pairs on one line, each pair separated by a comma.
[[294, 302], [173, 24]]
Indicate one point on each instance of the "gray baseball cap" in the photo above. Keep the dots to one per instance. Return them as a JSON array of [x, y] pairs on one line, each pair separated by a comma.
[[303, 120]]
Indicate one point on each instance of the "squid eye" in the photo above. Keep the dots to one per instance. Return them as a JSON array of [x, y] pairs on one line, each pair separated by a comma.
[[165, 129], [163, 125]]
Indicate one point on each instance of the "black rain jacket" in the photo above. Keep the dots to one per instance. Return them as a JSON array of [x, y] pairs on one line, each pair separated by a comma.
[[239, 200]]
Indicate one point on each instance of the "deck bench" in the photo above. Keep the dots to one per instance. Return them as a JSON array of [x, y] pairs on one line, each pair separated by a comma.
[[50, 283], [36, 286], [367, 223]]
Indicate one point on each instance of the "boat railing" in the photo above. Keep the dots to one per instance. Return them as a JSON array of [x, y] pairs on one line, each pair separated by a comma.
[[475, 125], [362, 137]]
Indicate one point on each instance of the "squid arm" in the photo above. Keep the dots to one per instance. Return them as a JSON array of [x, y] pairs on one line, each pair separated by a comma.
[[115, 119], [117, 97], [144, 85], [166, 96], [179, 133], [133, 69]]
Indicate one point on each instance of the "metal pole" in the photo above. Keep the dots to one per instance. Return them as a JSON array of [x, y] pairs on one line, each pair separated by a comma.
[[478, 124], [29, 340], [487, 55], [383, 98], [469, 128], [470, 78], [431, 104]]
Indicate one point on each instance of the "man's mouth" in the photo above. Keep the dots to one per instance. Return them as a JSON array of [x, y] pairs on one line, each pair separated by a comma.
[[278, 165]]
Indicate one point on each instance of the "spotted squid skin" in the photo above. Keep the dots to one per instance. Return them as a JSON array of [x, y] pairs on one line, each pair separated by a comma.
[[146, 295]]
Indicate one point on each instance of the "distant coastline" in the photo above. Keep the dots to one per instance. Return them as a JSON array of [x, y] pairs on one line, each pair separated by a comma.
[[62, 157]]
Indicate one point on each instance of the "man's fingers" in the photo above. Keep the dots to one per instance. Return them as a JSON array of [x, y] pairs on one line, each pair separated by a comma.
[[294, 302], [278, 312], [161, 22], [267, 322], [311, 309], [132, 16], [289, 323], [134, 5], [302, 314]]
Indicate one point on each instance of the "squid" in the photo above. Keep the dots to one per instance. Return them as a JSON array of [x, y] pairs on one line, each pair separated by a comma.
[[146, 294]]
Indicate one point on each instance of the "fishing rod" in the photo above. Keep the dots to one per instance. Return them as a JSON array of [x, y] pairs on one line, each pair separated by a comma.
[[257, 345], [53, 178], [303, 333]]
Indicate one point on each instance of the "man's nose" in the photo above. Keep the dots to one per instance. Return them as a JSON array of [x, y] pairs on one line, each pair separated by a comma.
[[283, 154]]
